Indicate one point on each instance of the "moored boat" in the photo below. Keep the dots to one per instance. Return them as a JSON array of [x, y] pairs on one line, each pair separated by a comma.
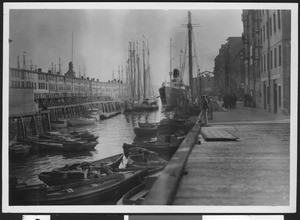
[[106, 115], [141, 132], [60, 123], [96, 191], [81, 121], [137, 195], [18, 149], [147, 125], [164, 150], [79, 171], [141, 158]]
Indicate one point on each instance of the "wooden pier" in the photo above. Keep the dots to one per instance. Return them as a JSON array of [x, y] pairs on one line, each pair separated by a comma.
[[40, 122], [251, 169]]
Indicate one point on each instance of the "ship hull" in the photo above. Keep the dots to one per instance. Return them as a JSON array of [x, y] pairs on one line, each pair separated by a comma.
[[172, 97]]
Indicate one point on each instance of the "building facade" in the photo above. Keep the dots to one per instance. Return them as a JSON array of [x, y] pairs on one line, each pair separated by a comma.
[[267, 59], [229, 73], [31, 90]]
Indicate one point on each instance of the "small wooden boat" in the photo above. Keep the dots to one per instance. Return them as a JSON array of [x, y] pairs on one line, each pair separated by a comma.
[[164, 150], [81, 121], [60, 123], [66, 174], [145, 106], [97, 191], [137, 195], [147, 125], [70, 144], [18, 149], [141, 158], [106, 115], [20, 191], [142, 132]]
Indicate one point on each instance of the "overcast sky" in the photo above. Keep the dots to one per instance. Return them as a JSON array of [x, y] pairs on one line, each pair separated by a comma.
[[101, 37]]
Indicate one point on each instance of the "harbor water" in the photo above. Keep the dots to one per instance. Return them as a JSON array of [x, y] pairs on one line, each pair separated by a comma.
[[112, 134]]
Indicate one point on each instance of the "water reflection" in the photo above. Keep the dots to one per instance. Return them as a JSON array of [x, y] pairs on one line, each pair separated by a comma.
[[112, 134]]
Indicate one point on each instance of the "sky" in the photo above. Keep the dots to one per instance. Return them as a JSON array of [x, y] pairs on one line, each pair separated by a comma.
[[101, 36]]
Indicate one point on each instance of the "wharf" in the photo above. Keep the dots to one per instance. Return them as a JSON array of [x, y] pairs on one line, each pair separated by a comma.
[[254, 170]]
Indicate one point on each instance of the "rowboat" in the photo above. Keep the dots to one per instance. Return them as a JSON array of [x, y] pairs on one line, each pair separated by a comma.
[[18, 149], [60, 123], [164, 150], [137, 195], [97, 191], [106, 115], [147, 125], [74, 136], [81, 121], [64, 175], [142, 158], [142, 132], [60, 145]]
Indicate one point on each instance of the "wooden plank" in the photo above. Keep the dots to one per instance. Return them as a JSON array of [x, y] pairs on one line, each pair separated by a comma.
[[165, 187], [210, 134]]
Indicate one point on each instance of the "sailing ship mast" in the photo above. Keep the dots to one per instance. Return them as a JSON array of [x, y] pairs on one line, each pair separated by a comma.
[[138, 72], [144, 72], [190, 29], [170, 59]]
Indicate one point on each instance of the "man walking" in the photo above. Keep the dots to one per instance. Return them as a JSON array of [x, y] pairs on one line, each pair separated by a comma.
[[203, 113]]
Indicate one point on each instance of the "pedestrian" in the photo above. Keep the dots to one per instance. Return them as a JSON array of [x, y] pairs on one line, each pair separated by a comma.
[[210, 108], [234, 101], [203, 113]]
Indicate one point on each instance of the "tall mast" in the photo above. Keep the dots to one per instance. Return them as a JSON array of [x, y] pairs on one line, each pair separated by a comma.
[[190, 29], [138, 71], [131, 70], [59, 65], [144, 72], [24, 61], [18, 62], [170, 59], [134, 72], [72, 48]]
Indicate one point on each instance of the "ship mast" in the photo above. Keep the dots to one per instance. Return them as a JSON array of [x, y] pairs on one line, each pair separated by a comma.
[[144, 71], [170, 59], [190, 29], [138, 72]]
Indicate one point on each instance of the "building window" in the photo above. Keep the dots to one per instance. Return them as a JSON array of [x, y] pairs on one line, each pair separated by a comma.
[[275, 57], [261, 64], [279, 55], [271, 59], [265, 63], [274, 21], [270, 24], [278, 16], [279, 95]]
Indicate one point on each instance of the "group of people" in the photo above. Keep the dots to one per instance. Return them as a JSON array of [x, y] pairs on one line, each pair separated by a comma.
[[229, 100]]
